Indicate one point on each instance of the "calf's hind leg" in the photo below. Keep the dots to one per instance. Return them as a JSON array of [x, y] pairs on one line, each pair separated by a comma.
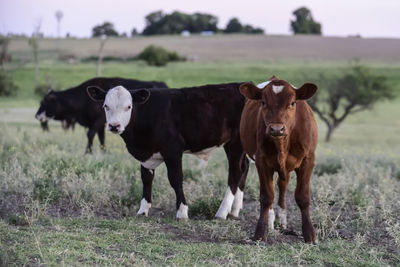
[[238, 168]]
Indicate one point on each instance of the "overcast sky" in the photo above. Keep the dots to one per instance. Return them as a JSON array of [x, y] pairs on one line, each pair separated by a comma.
[[369, 18]]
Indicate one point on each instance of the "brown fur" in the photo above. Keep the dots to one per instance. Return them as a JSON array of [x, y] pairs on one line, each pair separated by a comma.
[[289, 148]]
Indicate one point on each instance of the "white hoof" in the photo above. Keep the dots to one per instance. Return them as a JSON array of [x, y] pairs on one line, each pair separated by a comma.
[[226, 205], [271, 219], [144, 208], [182, 213], [282, 216], [237, 203]]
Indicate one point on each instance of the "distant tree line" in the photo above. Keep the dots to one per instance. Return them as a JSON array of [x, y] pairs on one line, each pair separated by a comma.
[[176, 22]]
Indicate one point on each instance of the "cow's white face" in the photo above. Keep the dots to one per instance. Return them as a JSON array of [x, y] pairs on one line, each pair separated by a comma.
[[118, 109]]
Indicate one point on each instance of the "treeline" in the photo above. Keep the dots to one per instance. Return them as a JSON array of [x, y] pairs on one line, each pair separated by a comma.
[[177, 22]]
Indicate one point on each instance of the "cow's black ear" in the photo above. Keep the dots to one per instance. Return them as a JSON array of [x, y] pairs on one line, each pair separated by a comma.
[[250, 91], [306, 91], [96, 93], [140, 96]]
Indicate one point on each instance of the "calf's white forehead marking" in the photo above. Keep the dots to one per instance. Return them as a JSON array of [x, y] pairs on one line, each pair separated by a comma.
[[117, 100], [262, 85], [277, 88]]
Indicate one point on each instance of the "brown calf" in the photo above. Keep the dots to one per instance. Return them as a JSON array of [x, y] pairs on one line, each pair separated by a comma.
[[279, 132]]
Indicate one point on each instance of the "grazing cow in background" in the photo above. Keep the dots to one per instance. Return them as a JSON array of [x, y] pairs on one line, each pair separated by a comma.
[[160, 125], [74, 105], [279, 132]]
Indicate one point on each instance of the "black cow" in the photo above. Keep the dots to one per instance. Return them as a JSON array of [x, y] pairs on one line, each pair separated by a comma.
[[160, 125], [74, 105]]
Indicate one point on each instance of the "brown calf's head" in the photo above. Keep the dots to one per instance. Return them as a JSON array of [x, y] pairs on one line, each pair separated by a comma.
[[278, 103]]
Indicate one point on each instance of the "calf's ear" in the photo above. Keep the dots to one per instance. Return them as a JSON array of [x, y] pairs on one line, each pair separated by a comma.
[[250, 91], [96, 93], [306, 91], [140, 96]]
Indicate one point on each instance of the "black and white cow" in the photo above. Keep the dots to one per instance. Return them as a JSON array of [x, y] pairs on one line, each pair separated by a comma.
[[160, 125], [74, 105]]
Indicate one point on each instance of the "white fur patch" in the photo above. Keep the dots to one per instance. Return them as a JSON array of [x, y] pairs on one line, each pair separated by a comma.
[[282, 216], [271, 219], [182, 212], [277, 88], [226, 205], [203, 154], [144, 207], [237, 203], [262, 85], [118, 107], [42, 117], [153, 162]]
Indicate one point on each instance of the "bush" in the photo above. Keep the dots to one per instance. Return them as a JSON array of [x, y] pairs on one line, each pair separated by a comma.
[[158, 56], [47, 190], [7, 85], [204, 208], [329, 166]]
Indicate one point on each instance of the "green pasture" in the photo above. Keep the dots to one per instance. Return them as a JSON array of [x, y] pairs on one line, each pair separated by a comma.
[[59, 206]]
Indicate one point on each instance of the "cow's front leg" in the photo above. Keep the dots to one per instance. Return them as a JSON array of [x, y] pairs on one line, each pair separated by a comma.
[[147, 180], [303, 198], [90, 135], [175, 177], [101, 135], [265, 176]]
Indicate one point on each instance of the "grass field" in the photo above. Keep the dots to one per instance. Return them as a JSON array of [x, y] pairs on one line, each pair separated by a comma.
[[59, 206]]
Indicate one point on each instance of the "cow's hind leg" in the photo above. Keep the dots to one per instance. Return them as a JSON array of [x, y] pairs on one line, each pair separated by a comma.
[[238, 168], [147, 180], [303, 199]]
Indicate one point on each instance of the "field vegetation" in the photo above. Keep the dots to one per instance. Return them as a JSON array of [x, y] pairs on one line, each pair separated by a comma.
[[59, 206]]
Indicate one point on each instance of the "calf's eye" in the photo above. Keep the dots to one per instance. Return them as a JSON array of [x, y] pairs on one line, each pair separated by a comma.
[[106, 107], [128, 108], [292, 104]]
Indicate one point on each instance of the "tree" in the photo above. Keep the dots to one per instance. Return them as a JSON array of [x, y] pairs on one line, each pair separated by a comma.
[[103, 39], [176, 22], [107, 29], [304, 22], [357, 90], [4, 55], [59, 15], [233, 26]]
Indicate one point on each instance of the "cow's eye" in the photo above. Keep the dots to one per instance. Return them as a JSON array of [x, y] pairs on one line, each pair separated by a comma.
[[127, 108], [292, 104], [106, 107]]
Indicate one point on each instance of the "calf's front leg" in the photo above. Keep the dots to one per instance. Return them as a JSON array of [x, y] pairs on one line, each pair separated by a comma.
[[175, 177], [147, 180], [265, 176], [303, 198]]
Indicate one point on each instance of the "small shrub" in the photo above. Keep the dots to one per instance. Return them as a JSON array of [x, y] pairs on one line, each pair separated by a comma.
[[134, 195], [158, 56], [329, 166], [7, 85], [47, 190], [204, 208], [17, 220]]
